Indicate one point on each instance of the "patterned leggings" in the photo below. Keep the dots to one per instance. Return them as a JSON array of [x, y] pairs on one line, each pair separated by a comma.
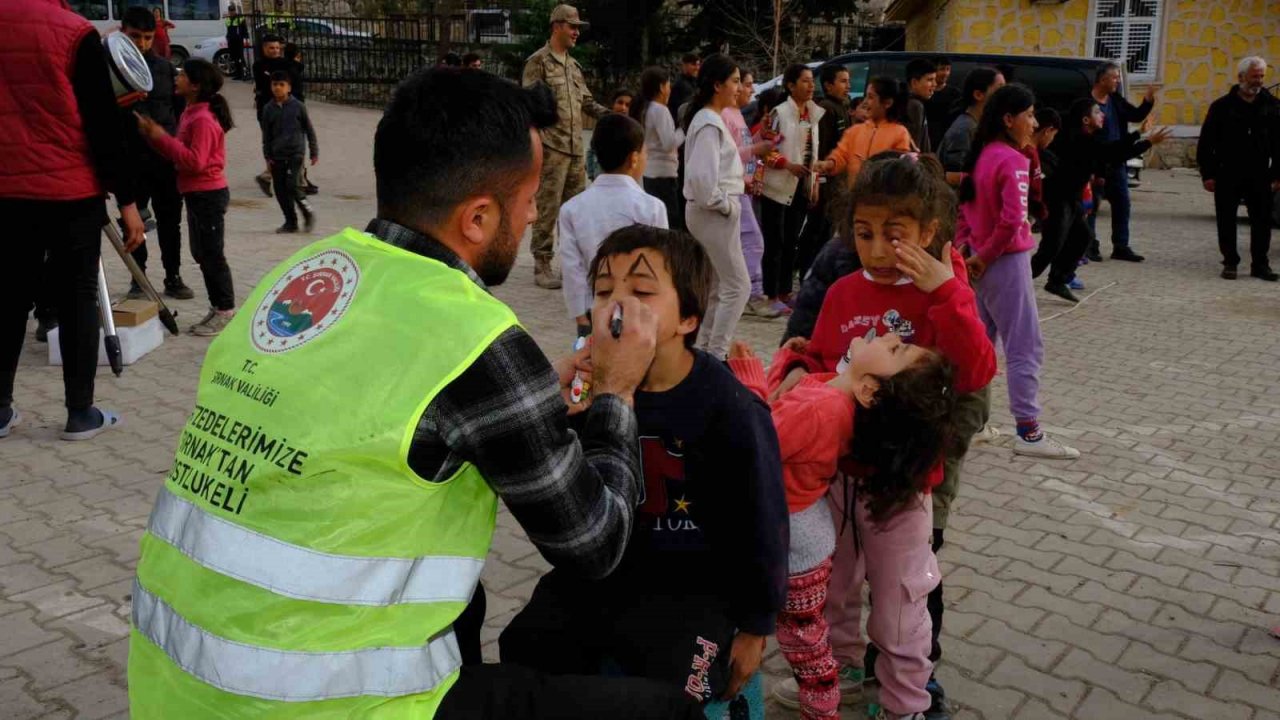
[[806, 644]]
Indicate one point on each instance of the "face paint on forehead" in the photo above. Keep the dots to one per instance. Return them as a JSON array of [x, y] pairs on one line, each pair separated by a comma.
[[604, 270], [643, 259]]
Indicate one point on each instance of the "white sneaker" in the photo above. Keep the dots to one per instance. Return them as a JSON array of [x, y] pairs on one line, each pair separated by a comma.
[[1045, 447], [787, 692], [761, 308], [988, 434]]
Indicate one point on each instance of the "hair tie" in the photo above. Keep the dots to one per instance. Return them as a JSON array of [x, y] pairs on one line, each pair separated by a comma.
[[914, 157]]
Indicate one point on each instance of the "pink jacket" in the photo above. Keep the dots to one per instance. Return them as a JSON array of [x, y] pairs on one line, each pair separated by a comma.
[[995, 222], [199, 152]]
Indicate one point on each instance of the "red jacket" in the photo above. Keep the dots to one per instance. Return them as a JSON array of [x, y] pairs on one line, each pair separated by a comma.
[[814, 423], [946, 320], [44, 153], [199, 152]]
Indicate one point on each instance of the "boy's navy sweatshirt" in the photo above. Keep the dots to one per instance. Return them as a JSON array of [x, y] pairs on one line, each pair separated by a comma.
[[713, 521]]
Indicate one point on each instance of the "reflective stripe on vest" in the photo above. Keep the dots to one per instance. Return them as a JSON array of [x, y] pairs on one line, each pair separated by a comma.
[[292, 676], [306, 574]]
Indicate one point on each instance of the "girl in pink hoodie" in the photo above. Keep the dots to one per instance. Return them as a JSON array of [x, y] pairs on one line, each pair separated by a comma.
[[994, 230], [199, 152]]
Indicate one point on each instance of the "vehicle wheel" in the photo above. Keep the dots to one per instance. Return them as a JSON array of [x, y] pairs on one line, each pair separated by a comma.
[[223, 60], [178, 55]]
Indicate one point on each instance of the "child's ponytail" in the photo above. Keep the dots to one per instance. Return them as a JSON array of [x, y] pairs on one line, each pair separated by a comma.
[[904, 433], [208, 78]]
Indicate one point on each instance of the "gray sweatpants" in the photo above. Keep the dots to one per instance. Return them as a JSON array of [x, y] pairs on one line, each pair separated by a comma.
[[720, 235]]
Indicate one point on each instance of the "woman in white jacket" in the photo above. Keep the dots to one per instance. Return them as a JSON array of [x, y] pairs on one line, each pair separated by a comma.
[[662, 142], [713, 185], [787, 198]]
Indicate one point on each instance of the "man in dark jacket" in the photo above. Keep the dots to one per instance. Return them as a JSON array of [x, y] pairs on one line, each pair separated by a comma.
[[237, 33], [157, 179], [271, 62], [1239, 156], [1117, 113], [922, 79], [685, 84], [945, 105]]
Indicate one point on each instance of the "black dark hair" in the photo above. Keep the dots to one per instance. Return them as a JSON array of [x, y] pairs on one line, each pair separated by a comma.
[[281, 76], [1009, 100], [621, 92], [690, 57], [1081, 108], [908, 184], [1102, 70], [291, 51], [614, 139], [138, 18], [919, 67], [792, 75], [904, 433], [450, 134], [770, 99], [716, 69], [470, 58], [890, 89], [208, 78], [977, 81], [1048, 118], [685, 259], [831, 72], [271, 38], [941, 61], [651, 82], [1007, 71], [451, 59]]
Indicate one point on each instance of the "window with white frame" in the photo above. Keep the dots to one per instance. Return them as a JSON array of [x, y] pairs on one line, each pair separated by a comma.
[[1128, 32]]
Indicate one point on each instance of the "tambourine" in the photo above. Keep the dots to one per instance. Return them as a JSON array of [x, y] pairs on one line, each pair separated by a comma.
[[130, 76]]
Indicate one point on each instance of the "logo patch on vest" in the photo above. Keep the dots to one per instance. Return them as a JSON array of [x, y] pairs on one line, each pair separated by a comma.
[[307, 300]]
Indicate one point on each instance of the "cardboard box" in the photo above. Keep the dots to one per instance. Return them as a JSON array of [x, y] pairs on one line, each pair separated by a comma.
[[132, 313], [134, 342]]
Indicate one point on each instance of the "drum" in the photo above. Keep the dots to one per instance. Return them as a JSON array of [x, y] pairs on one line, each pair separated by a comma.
[[130, 76]]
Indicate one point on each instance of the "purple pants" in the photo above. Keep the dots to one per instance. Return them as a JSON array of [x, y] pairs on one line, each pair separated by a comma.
[[752, 246], [1007, 305]]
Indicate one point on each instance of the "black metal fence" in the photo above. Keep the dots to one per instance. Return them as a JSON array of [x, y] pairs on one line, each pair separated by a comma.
[[359, 59]]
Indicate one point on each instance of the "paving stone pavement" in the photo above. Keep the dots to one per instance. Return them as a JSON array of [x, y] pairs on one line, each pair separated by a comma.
[[1136, 582]]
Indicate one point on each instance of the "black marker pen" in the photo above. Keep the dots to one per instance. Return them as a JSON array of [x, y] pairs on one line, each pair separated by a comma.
[[615, 322]]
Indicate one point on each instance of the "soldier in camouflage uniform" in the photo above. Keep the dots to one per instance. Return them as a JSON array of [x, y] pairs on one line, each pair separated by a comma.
[[564, 171]]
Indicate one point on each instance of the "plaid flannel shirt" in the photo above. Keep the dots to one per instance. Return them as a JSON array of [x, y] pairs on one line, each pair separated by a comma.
[[574, 494]]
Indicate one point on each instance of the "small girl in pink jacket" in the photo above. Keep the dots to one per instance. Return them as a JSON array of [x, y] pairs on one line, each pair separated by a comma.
[[993, 227], [199, 152]]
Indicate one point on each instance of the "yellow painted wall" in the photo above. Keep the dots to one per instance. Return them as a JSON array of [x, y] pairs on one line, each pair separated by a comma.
[[1203, 41]]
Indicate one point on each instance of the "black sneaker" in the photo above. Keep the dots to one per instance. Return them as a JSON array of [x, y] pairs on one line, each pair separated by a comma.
[[43, 328], [286, 229], [1094, 255], [174, 287], [1126, 254], [1265, 273], [135, 292], [1061, 291], [1229, 273], [311, 189]]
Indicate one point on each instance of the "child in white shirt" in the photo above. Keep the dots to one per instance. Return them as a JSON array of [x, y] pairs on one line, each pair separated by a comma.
[[614, 200]]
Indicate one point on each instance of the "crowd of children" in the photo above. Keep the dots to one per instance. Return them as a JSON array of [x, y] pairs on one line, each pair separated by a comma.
[[881, 382]]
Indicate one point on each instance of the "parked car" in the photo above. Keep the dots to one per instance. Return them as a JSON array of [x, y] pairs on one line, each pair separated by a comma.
[[1056, 81]]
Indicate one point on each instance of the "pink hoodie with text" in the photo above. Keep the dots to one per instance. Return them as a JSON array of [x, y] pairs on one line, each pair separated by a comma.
[[995, 222]]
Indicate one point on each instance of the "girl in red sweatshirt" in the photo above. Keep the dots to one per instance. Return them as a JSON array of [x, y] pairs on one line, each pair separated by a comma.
[[899, 221], [199, 152], [885, 383]]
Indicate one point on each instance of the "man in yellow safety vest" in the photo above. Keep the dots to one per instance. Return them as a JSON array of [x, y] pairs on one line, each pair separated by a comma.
[[317, 547]]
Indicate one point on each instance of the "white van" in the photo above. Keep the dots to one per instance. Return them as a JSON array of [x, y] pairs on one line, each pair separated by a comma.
[[194, 20]]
